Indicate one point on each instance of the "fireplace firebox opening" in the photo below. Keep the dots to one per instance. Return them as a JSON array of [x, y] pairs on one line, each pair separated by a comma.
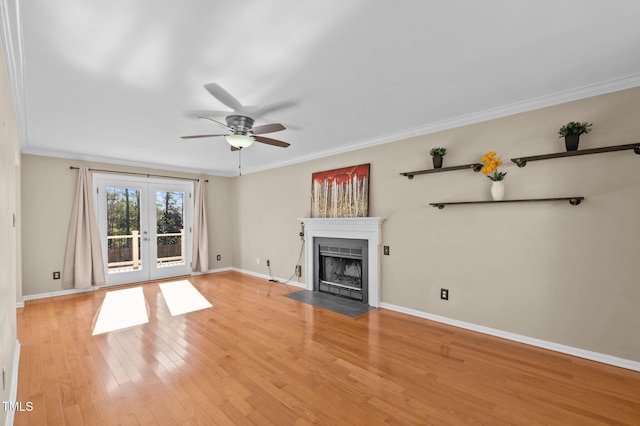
[[340, 267]]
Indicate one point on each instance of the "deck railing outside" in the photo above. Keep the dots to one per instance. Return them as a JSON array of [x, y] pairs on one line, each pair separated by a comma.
[[123, 255]]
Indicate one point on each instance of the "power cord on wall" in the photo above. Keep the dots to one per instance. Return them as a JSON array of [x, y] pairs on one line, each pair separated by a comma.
[[272, 279]]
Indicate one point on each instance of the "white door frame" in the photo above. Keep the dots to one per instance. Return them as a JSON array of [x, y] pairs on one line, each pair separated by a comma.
[[148, 251]]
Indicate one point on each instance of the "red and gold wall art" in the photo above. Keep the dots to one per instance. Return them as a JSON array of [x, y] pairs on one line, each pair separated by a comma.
[[341, 192]]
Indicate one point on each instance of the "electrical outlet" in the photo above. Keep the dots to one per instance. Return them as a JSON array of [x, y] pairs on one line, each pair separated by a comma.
[[268, 262], [257, 261], [56, 275], [298, 271], [218, 257], [385, 250], [444, 294]]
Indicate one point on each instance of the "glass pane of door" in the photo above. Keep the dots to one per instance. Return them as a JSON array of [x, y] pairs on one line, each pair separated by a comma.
[[123, 229], [170, 238], [170, 229]]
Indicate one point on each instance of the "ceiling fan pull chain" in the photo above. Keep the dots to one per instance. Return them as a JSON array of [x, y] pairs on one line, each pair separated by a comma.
[[240, 161]]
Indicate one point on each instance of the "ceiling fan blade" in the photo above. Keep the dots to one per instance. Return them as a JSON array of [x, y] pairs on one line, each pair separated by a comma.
[[268, 128], [258, 112], [201, 136], [223, 96], [270, 141], [215, 121], [207, 113], [235, 148]]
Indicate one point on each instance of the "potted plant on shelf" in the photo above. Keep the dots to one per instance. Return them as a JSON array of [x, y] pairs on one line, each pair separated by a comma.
[[437, 154], [490, 168], [571, 133]]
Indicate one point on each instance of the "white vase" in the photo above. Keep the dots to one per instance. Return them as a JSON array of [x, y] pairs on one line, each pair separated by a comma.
[[497, 191]]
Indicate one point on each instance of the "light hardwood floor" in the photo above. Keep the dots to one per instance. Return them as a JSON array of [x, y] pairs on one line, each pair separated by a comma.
[[257, 357]]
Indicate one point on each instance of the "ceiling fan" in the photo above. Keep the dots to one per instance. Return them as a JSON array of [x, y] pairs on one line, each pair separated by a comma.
[[241, 132]]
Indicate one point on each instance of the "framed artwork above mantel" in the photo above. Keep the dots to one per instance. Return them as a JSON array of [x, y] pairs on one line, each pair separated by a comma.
[[341, 192]]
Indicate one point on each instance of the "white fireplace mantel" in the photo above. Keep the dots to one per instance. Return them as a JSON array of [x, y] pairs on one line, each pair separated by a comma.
[[362, 228]]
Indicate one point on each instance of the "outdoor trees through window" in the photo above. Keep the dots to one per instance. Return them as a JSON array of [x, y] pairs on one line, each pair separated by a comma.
[[170, 224], [145, 227], [123, 219]]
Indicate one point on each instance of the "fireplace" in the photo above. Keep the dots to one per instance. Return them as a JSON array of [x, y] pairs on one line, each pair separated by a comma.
[[341, 267], [349, 260]]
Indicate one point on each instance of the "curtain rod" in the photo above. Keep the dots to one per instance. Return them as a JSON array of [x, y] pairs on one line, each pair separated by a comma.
[[134, 173]]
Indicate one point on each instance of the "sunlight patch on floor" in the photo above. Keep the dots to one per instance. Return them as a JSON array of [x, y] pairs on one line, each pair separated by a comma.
[[121, 309], [182, 297]]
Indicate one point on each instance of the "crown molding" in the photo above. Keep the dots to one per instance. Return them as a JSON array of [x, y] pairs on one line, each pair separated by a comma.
[[128, 163], [578, 93], [583, 92], [13, 46]]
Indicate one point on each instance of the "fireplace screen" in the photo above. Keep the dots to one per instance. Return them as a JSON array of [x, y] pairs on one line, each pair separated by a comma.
[[341, 267], [341, 271]]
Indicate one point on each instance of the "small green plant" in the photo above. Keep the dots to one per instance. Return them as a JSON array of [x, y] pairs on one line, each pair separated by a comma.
[[574, 128], [438, 151]]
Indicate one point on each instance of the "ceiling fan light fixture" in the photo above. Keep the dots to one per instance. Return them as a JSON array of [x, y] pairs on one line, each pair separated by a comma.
[[239, 141]]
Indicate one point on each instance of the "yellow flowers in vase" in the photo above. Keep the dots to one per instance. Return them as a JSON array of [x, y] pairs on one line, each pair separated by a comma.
[[490, 168]]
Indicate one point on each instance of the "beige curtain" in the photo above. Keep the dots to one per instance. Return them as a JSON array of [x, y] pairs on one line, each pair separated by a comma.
[[83, 265], [200, 252]]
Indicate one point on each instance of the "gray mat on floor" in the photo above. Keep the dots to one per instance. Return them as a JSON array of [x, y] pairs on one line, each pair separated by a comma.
[[332, 303]]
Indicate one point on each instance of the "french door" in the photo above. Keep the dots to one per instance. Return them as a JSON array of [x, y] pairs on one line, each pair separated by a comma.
[[145, 227]]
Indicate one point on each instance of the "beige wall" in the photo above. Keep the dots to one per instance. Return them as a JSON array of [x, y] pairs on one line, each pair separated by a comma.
[[9, 237], [48, 187], [553, 271]]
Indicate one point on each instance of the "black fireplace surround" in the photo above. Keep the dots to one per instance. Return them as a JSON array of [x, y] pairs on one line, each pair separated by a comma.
[[340, 267]]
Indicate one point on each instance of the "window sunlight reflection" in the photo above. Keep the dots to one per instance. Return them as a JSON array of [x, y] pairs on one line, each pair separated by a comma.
[[121, 309], [182, 297]]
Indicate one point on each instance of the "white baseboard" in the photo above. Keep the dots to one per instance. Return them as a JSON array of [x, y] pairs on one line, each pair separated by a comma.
[[58, 293], [213, 271], [268, 277], [94, 288], [13, 391], [569, 350]]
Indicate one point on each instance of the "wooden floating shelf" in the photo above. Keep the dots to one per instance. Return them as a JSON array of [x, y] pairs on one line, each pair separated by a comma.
[[574, 201], [522, 161], [476, 168]]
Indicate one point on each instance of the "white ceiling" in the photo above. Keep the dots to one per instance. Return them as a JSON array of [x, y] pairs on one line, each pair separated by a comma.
[[116, 80]]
